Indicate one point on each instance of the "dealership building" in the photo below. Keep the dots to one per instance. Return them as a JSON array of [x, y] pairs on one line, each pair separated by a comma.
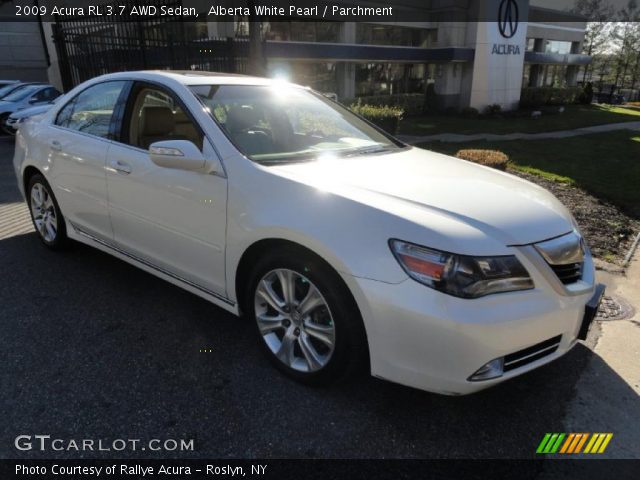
[[461, 61]]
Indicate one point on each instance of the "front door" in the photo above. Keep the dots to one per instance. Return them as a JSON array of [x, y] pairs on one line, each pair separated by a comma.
[[174, 220]]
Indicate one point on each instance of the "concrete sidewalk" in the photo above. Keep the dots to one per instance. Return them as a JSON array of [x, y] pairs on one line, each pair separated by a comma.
[[608, 393], [457, 138]]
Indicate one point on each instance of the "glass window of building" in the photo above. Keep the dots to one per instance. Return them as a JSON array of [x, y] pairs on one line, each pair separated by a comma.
[[555, 76], [556, 46], [320, 76], [302, 31], [392, 78], [531, 44], [372, 34], [526, 75]]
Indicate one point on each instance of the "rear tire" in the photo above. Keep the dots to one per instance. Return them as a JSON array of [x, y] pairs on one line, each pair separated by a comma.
[[310, 329], [45, 213]]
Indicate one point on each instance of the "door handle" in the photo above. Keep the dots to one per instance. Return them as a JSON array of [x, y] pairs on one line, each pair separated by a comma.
[[55, 145], [121, 167]]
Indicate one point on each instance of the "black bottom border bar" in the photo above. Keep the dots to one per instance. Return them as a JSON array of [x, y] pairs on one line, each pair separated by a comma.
[[321, 469]]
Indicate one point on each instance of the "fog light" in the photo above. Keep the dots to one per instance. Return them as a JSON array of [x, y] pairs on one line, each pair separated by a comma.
[[492, 369]]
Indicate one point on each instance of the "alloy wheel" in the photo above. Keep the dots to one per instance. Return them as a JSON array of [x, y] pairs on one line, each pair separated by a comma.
[[294, 320], [44, 212]]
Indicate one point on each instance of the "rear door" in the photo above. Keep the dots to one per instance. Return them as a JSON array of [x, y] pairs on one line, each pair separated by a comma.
[[78, 141], [173, 220]]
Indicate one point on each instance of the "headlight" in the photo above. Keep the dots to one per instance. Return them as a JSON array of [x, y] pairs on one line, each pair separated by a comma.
[[461, 275]]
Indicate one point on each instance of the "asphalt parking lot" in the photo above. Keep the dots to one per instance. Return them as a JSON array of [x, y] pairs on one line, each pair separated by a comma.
[[95, 348]]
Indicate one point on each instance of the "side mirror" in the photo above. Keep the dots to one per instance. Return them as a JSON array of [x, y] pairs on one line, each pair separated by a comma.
[[179, 154]]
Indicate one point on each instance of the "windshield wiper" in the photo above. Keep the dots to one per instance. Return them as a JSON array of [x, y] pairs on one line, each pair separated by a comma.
[[366, 151]]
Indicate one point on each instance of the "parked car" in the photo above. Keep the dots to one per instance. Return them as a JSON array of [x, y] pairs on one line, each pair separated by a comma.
[[610, 98], [344, 246], [16, 118], [27, 96], [4, 83], [12, 87]]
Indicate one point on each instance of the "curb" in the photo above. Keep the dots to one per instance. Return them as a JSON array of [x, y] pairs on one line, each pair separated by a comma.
[[629, 255]]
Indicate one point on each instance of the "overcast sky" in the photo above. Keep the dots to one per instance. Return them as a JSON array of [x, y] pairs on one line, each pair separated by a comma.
[[568, 4]]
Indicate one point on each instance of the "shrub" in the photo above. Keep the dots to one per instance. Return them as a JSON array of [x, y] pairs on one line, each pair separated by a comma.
[[490, 158], [412, 104], [493, 110], [534, 97], [431, 98], [469, 112], [586, 97], [385, 117]]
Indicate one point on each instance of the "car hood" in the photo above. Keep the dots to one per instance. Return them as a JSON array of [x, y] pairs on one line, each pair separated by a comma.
[[31, 111], [507, 208], [7, 106]]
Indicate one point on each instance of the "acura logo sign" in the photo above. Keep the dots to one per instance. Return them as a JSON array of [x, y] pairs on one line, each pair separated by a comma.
[[508, 18]]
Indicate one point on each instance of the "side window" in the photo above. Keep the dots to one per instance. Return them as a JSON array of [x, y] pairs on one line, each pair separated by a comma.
[[91, 110], [40, 96], [51, 94], [156, 116]]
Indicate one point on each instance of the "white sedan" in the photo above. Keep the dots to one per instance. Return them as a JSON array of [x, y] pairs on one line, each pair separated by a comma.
[[346, 248]]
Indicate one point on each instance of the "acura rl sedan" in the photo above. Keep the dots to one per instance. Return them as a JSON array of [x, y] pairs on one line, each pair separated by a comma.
[[346, 248]]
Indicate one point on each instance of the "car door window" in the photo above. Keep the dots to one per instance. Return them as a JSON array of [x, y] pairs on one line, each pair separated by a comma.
[[50, 94], [92, 109], [156, 116]]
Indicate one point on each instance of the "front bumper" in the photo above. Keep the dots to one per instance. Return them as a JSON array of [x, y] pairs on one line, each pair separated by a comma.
[[425, 339], [12, 124]]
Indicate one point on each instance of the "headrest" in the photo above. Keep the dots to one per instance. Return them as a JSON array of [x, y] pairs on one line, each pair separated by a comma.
[[157, 121], [240, 118]]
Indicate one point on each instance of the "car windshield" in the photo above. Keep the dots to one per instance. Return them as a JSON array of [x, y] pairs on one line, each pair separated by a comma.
[[283, 123], [7, 89], [21, 93]]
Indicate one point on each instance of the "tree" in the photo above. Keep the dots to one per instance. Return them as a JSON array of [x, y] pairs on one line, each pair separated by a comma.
[[256, 50], [600, 14], [626, 36]]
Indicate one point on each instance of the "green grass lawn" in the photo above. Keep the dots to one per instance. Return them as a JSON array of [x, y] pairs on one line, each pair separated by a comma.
[[575, 116], [605, 164]]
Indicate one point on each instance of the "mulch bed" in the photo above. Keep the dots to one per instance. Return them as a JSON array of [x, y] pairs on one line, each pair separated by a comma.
[[609, 232]]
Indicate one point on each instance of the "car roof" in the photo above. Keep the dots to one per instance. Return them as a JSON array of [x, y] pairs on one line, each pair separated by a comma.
[[195, 77]]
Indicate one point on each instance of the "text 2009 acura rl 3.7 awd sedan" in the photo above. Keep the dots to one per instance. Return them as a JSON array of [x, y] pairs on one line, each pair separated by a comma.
[[344, 246]]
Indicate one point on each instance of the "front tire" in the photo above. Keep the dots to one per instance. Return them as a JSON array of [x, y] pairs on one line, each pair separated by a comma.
[[306, 319], [45, 213]]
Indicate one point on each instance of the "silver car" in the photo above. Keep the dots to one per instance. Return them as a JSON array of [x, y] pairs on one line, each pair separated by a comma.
[[28, 96]]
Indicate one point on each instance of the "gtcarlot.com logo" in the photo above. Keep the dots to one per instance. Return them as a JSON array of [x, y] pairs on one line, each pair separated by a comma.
[[571, 443], [46, 443]]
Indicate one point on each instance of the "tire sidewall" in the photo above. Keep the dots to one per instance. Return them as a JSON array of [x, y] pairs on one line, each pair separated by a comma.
[[61, 234], [346, 319]]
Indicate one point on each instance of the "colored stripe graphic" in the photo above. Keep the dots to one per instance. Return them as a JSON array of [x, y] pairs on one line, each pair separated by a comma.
[[581, 443], [567, 443], [605, 443], [556, 445], [573, 443], [594, 437], [543, 443]]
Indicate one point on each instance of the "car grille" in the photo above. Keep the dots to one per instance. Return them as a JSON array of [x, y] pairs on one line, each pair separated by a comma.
[[531, 354], [565, 255], [570, 273]]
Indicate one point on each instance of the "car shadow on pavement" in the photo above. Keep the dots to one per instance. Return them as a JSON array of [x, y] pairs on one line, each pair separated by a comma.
[[96, 348]]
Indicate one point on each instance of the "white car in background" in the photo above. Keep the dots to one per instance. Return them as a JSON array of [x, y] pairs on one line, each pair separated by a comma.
[[344, 246]]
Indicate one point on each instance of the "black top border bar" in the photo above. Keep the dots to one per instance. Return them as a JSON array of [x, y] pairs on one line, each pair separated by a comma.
[[414, 11]]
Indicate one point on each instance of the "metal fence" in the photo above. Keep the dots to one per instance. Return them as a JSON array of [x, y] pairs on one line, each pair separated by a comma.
[[93, 46]]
